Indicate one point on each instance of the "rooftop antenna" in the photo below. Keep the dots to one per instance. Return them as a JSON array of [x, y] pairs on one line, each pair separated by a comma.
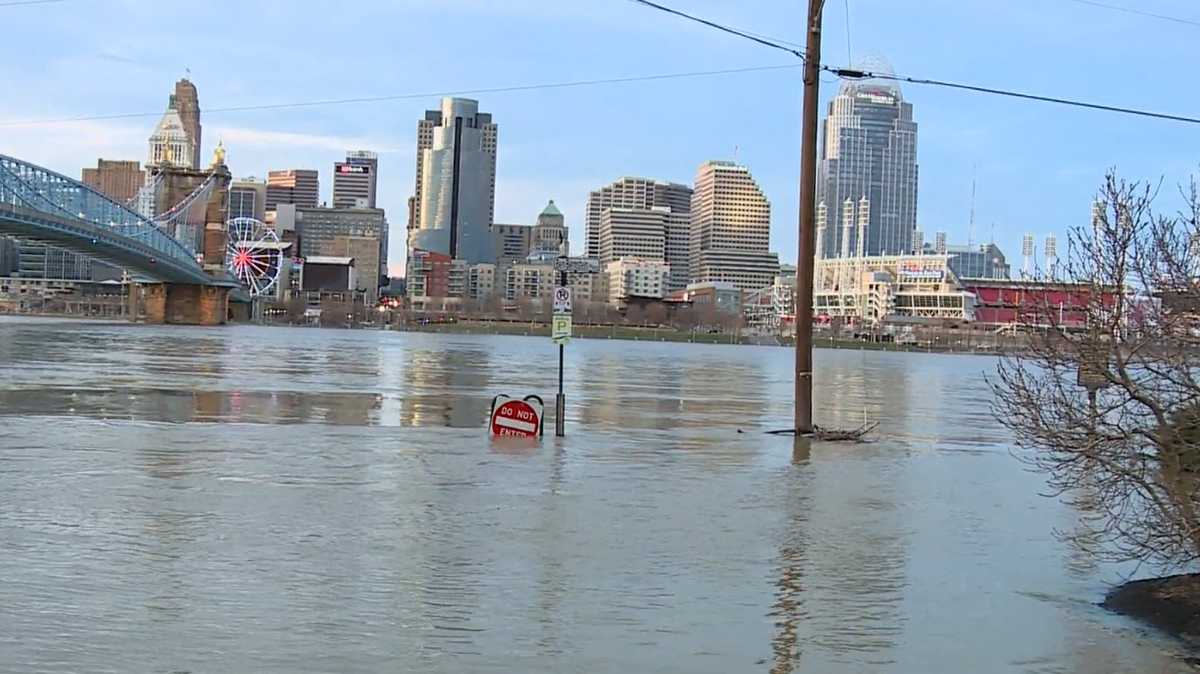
[[735, 152]]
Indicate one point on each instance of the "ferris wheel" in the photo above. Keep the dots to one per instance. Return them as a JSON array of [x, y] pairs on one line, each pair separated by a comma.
[[254, 255]]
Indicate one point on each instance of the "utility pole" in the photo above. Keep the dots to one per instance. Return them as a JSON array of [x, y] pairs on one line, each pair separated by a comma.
[[806, 262]]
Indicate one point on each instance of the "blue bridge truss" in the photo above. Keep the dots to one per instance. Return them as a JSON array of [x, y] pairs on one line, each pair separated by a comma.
[[41, 205]]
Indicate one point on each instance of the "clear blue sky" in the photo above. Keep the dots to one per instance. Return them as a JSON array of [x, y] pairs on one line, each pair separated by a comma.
[[1038, 165]]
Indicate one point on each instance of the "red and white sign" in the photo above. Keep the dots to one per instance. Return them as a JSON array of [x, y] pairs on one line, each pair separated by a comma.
[[516, 418]]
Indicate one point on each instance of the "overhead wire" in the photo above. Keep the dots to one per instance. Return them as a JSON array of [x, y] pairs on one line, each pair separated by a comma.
[[733, 31], [1138, 12], [849, 52], [412, 96], [853, 74]]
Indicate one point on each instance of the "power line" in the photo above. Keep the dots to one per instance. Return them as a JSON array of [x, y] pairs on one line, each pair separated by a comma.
[[1138, 12], [850, 74], [14, 3], [726, 29], [403, 97], [853, 74], [849, 52]]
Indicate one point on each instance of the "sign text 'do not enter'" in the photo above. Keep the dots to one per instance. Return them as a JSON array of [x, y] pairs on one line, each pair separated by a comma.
[[517, 418]]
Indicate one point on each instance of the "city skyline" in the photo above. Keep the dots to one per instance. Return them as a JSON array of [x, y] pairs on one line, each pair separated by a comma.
[[1038, 165]]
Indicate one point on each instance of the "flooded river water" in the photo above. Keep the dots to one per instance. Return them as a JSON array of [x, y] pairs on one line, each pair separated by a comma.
[[249, 499]]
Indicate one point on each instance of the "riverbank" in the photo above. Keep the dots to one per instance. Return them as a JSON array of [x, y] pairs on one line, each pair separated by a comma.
[[951, 342], [948, 341], [1172, 604]]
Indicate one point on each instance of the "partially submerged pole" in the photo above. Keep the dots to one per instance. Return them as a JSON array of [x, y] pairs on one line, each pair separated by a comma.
[[805, 263]]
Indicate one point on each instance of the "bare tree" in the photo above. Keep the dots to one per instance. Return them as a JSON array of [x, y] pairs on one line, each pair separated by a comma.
[[336, 313], [656, 314], [683, 318], [528, 309], [634, 314], [493, 306], [706, 315], [1106, 400]]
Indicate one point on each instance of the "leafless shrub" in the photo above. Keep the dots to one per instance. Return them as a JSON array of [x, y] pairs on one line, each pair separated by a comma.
[[1109, 407]]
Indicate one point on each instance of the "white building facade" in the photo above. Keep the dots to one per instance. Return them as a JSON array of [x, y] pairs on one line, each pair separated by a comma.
[[630, 276], [873, 289]]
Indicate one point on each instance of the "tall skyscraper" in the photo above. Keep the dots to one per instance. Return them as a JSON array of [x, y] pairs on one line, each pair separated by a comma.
[[868, 167], [454, 204], [187, 101], [170, 144], [117, 180], [633, 193], [730, 230], [301, 187], [176, 138], [355, 180]]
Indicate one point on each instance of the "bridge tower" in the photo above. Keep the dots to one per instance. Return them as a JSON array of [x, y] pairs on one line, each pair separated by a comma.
[[201, 224]]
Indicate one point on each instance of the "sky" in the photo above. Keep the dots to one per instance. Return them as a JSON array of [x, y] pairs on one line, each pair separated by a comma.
[[1036, 166]]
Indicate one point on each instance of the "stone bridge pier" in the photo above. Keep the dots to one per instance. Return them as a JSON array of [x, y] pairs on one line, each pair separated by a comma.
[[185, 304]]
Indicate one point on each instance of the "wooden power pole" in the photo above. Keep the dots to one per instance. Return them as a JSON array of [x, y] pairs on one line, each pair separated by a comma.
[[805, 264]]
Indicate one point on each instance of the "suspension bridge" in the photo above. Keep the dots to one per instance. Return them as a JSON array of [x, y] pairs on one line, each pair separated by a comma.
[[177, 252]]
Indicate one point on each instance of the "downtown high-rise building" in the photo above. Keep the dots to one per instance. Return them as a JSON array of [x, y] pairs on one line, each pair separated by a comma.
[[867, 176], [633, 233], [730, 229], [176, 138], [355, 180], [619, 214], [455, 192], [633, 194], [301, 187], [187, 101]]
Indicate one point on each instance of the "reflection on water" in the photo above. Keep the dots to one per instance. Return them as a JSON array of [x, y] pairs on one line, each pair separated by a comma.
[[289, 500]]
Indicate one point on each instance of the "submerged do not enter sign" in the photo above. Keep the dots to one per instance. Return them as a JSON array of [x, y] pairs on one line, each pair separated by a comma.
[[516, 418]]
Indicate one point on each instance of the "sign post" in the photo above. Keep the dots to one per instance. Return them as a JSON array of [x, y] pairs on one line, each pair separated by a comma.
[[560, 330], [561, 334]]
